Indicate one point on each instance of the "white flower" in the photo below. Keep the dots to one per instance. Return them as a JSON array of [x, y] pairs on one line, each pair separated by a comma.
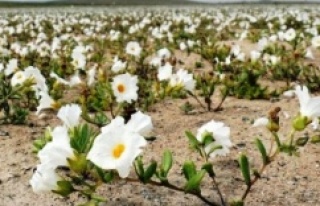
[[262, 43], [156, 62], [290, 34], [309, 106], [125, 88], [315, 41], [165, 72], [182, 46], [56, 152], [309, 54], [227, 61], [221, 136], [79, 59], [70, 115], [315, 124], [255, 55], [274, 59], [235, 50], [46, 102], [44, 179], [59, 79], [140, 123], [116, 149], [118, 65], [289, 93], [262, 121], [11, 67], [133, 48], [18, 78], [34, 73], [75, 79], [164, 53], [182, 78], [91, 76], [1, 67]]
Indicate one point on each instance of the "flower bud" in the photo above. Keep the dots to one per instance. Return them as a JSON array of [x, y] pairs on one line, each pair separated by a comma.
[[273, 126], [300, 123], [78, 164]]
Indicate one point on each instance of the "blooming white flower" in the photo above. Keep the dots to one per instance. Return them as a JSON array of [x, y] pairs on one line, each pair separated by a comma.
[[116, 149], [289, 93], [182, 78], [262, 121], [290, 34], [11, 67], [309, 106], [78, 56], [44, 179], [75, 79], [315, 41], [315, 124], [133, 48], [59, 79], [45, 102], [118, 65], [140, 123], [255, 55], [70, 115], [40, 80], [309, 54], [125, 88], [91, 76], [183, 46], [164, 53], [56, 152], [220, 134], [262, 43], [156, 62], [18, 78], [165, 72]]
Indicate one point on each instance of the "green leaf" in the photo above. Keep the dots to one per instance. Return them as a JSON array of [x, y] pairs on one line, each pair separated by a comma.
[[106, 177], [237, 203], [82, 138], [217, 147], [263, 152], [209, 168], [245, 168], [189, 169], [150, 171], [192, 140], [65, 188], [207, 138], [194, 183], [315, 139], [138, 166], [301, 141], [167, 161]]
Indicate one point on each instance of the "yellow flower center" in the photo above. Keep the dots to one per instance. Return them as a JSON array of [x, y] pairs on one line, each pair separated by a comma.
[[121, 88], [19, 76], [118, 150]]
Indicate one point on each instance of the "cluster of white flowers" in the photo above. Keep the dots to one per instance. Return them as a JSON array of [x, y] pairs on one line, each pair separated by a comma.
[[116, 147]]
